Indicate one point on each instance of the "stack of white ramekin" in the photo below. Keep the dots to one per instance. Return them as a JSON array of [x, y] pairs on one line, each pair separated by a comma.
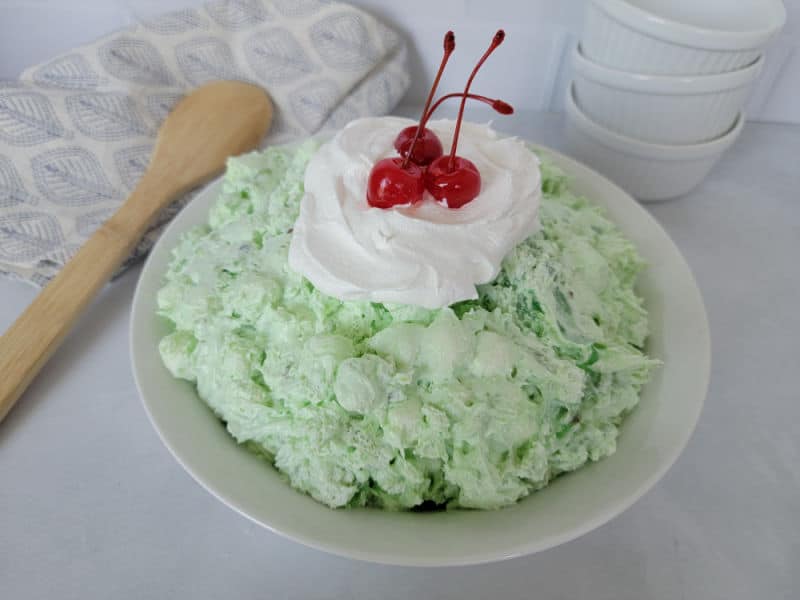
[[659, 87]]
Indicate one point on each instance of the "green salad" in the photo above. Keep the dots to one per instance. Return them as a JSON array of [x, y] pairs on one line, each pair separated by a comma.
[[393, 406]]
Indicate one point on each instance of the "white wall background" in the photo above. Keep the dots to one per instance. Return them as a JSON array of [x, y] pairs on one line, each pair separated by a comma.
[[531, 70]]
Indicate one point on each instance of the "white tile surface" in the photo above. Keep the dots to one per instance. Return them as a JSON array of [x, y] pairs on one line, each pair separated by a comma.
[[533, 73], [93, 506]]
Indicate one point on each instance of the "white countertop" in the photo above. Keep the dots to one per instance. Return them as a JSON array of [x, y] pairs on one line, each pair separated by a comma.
[[93, 506]]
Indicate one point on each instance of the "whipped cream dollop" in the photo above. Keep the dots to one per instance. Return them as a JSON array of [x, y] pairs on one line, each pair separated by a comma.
[[426, 254]]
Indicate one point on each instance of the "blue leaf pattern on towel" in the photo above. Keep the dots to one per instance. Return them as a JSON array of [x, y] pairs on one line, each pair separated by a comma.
[[277, 57], [177, 21], [382, 92], [237, 14], [159, 105], [341, 115], [131, 163], [134, 60], [27, 119], [389, 38], [313, 102], [39, 279], [299, 8], [87, 223], [106, 117], [57, 258], [343, 42], [70, 72], [12, 190], [281, 126], [28, 235], [206, 59], [72, 177]]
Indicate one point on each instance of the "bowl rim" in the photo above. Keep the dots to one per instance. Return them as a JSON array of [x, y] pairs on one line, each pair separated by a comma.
[[667, 85], [694, 36], [654, 151], [701, 335]]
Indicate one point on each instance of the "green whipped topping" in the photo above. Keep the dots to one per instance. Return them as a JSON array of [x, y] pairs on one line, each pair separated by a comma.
[[395, 406]]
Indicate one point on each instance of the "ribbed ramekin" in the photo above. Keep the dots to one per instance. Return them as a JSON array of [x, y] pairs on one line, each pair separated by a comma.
[[679, 37], [647, 171], [663, 109]]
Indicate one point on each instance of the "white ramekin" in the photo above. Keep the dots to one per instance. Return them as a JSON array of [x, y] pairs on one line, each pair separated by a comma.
[[679, 37], [647, 171], [664, 109]]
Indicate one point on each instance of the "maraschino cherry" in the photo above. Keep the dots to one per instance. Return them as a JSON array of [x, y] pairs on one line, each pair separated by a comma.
[[398, 181], [452, 180], [416, 143], [392, 182], [427, 147]]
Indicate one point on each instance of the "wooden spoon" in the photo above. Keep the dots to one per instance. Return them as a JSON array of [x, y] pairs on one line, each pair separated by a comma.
[[214, 122]]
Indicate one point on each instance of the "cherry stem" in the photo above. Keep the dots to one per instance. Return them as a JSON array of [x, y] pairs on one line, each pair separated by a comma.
[[496, 41], [449, 46], [497, 104]]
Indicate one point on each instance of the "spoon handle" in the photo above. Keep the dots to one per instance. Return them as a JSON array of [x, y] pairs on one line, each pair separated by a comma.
[[37, 333]]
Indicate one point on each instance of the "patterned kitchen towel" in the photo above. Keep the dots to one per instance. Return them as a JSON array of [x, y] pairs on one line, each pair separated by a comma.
[[76, 133]]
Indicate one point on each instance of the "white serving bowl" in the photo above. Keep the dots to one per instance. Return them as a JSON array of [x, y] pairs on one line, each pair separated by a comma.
[[647, 171], [664, 109], [650, 440], [679, 37]]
